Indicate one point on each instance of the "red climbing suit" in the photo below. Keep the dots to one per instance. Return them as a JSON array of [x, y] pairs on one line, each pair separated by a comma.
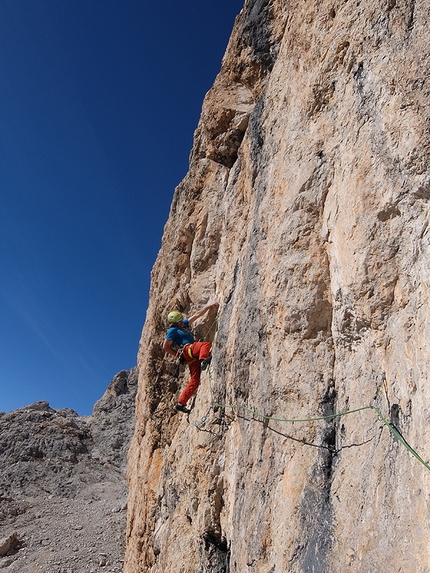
[[193, 354]]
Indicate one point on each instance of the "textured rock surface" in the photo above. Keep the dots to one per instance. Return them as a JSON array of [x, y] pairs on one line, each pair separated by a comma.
[[305, 213], [62, 484]]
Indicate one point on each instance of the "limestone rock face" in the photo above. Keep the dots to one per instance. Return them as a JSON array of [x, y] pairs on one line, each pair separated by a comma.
[[305, 214]]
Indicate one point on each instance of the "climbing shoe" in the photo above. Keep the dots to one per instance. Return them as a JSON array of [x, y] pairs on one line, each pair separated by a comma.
[[205, 363], [182, 408]]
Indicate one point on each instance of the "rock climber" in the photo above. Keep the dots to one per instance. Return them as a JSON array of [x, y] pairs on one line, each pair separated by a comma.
[[181, 344]]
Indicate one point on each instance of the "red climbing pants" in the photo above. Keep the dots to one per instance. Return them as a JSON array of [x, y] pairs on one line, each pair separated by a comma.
[[192, 354]]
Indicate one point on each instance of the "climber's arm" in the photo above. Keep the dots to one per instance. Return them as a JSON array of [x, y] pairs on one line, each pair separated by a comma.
[[202, 311], [167, 347]]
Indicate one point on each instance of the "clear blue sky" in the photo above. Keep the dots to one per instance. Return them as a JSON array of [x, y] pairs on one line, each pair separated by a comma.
[[99, 101]]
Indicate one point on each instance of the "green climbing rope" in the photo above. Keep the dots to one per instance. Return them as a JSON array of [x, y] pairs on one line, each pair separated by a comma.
[[215, 322], [288, 420], [390, 427], [401, 439]]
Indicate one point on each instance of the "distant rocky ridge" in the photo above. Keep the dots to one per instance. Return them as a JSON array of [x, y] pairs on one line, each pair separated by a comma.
[[62, 484]]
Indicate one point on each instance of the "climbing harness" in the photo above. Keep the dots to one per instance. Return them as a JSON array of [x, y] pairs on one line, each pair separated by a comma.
[[185, 354], [189, 350]]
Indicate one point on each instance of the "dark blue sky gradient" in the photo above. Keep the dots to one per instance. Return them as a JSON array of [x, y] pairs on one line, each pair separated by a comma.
[[99, 102]]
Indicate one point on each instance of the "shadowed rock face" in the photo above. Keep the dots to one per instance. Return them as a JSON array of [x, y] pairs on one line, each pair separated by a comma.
[[62, 483], [305, 213]]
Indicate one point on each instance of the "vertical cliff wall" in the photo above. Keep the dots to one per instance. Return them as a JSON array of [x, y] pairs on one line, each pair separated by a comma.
[[305, 213]]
